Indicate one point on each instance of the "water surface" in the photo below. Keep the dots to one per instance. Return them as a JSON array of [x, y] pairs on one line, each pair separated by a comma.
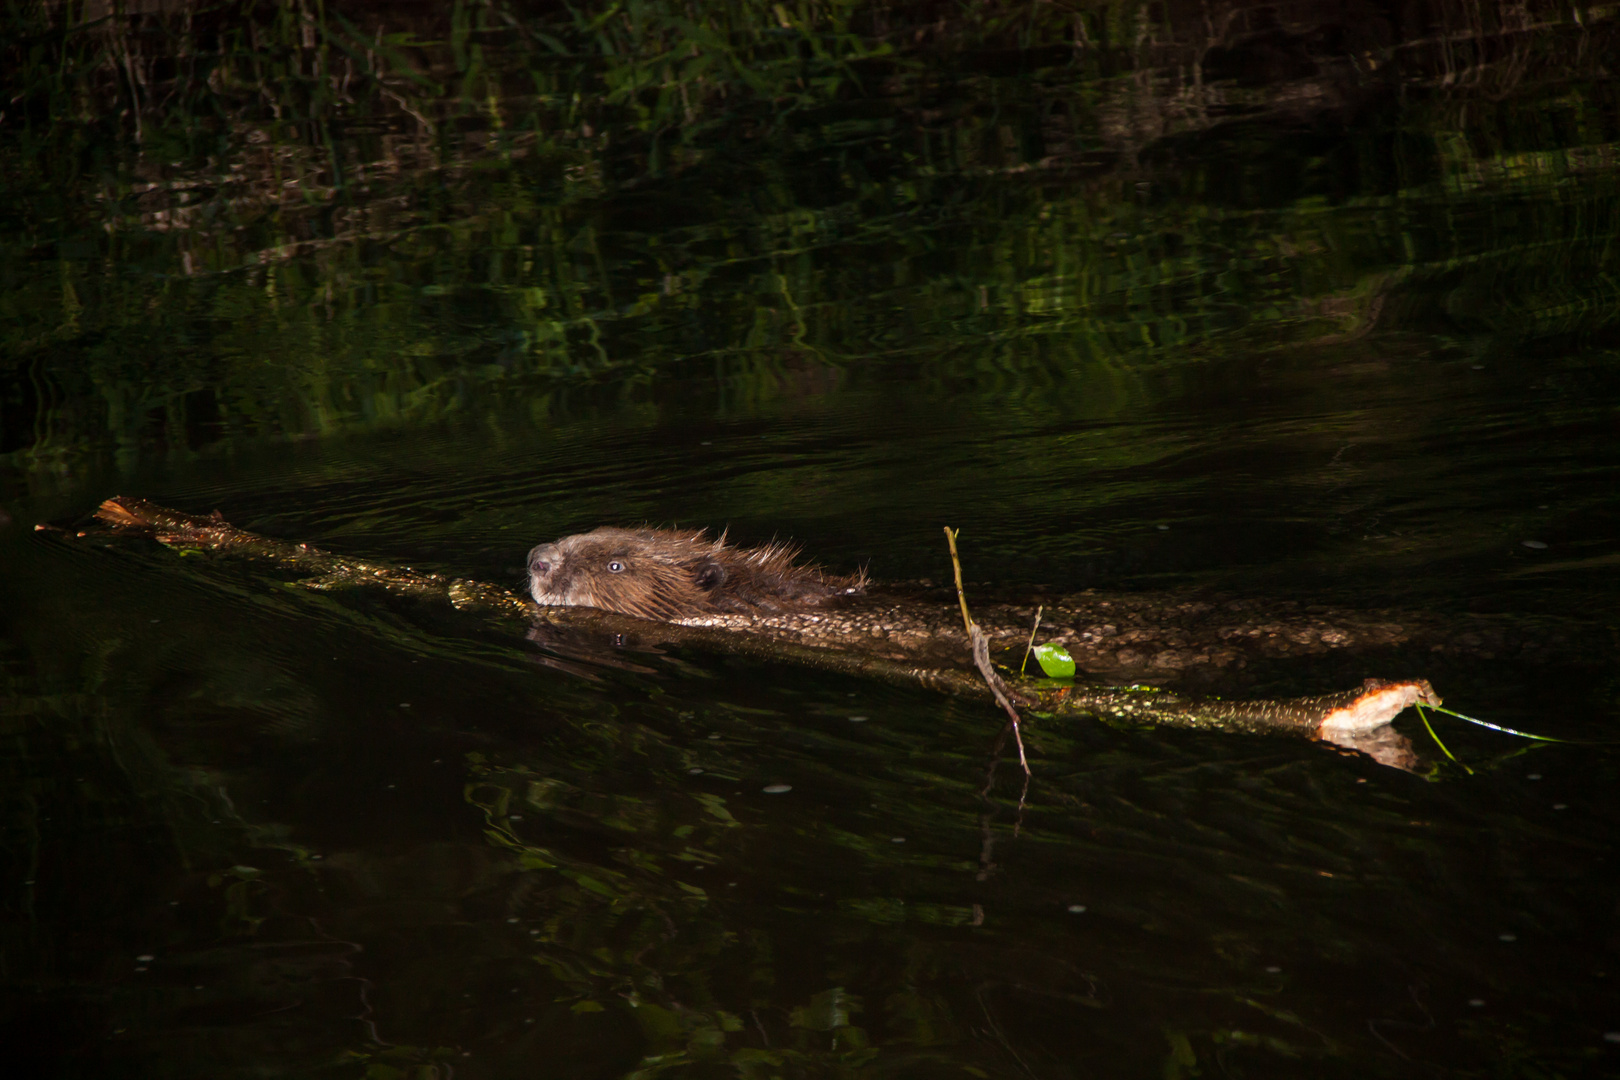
[[1299, 307]]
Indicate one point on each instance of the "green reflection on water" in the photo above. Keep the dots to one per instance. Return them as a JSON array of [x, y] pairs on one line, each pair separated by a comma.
[[460, 220]]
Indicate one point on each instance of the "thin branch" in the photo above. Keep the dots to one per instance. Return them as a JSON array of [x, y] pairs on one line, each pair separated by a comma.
[[1033, 630]]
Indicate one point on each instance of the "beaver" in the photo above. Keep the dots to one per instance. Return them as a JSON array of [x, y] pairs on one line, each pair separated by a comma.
[[672, 574]]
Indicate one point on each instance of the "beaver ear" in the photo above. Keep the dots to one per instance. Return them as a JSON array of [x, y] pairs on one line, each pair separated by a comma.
[[708, 575]]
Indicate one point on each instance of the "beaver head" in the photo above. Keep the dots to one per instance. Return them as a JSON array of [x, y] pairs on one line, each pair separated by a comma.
[[669, 574]]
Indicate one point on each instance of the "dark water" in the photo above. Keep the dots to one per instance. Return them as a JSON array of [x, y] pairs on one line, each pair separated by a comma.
[[1297, 303]]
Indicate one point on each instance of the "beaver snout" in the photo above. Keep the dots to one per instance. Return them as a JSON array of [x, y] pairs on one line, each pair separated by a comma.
[[543, 560]]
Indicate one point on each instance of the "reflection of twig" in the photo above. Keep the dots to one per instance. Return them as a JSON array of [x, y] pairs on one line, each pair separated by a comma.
[[1372, 1023], [134, 90], [760, 1028], [995, 1028], [405, 105], [365, 1013], [987, 849]]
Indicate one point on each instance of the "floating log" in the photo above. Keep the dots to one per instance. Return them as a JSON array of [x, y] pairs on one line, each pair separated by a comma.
[[1356, 718]]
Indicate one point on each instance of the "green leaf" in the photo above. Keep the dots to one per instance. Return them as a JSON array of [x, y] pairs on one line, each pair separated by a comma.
[[1055, 661]]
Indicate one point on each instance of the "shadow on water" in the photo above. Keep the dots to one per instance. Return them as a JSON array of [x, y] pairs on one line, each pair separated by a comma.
[[1310, 306]]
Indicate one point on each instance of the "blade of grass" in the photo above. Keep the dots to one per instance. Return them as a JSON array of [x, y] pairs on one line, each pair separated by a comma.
[[1505, 730], [1425, 718]]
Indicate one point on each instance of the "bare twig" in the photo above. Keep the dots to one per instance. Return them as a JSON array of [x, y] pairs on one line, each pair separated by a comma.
[[1029, 648], [981, 659], [981, 653], [956, 565]]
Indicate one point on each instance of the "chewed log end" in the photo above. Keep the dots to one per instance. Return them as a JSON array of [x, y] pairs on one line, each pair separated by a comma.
[[1378, 703], [122, 512], [125, 512]]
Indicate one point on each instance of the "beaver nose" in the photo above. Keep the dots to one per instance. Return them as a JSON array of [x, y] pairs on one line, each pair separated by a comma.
[[542, 557]]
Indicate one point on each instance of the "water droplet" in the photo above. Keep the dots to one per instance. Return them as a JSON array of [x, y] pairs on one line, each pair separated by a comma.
[[778, 789], [694, 772], [897, 840], [145, 958], [1535, 545], [857, 719], [1077, 909], [1560, 806], [1273, 970], [1477, 1003], [1611, 1036], [1507, 937], [1162, 528], [1533, 776]]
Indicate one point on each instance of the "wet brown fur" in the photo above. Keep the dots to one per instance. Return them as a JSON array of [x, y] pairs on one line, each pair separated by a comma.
[[669, 574]]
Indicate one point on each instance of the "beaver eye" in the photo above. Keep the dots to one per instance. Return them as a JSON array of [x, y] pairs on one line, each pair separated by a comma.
[[616, 566], [539, 566]]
